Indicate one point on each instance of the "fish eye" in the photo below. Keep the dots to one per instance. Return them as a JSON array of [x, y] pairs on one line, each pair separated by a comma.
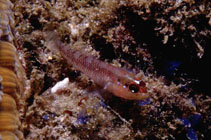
[[133, 88]]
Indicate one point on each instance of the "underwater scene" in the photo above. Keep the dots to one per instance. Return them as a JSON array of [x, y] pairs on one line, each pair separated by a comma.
[[105, 69]]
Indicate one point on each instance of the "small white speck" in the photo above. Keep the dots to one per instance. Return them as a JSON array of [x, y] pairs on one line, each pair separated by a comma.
[[50, 57], [86, 25], [60, 85], [74, 29]]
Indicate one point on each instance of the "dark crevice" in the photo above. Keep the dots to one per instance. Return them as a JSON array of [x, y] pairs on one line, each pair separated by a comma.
[[173, 60], [34, 20], [106, 49]]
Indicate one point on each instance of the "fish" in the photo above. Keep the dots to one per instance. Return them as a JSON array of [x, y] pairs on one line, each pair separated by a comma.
[[120, 82]]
